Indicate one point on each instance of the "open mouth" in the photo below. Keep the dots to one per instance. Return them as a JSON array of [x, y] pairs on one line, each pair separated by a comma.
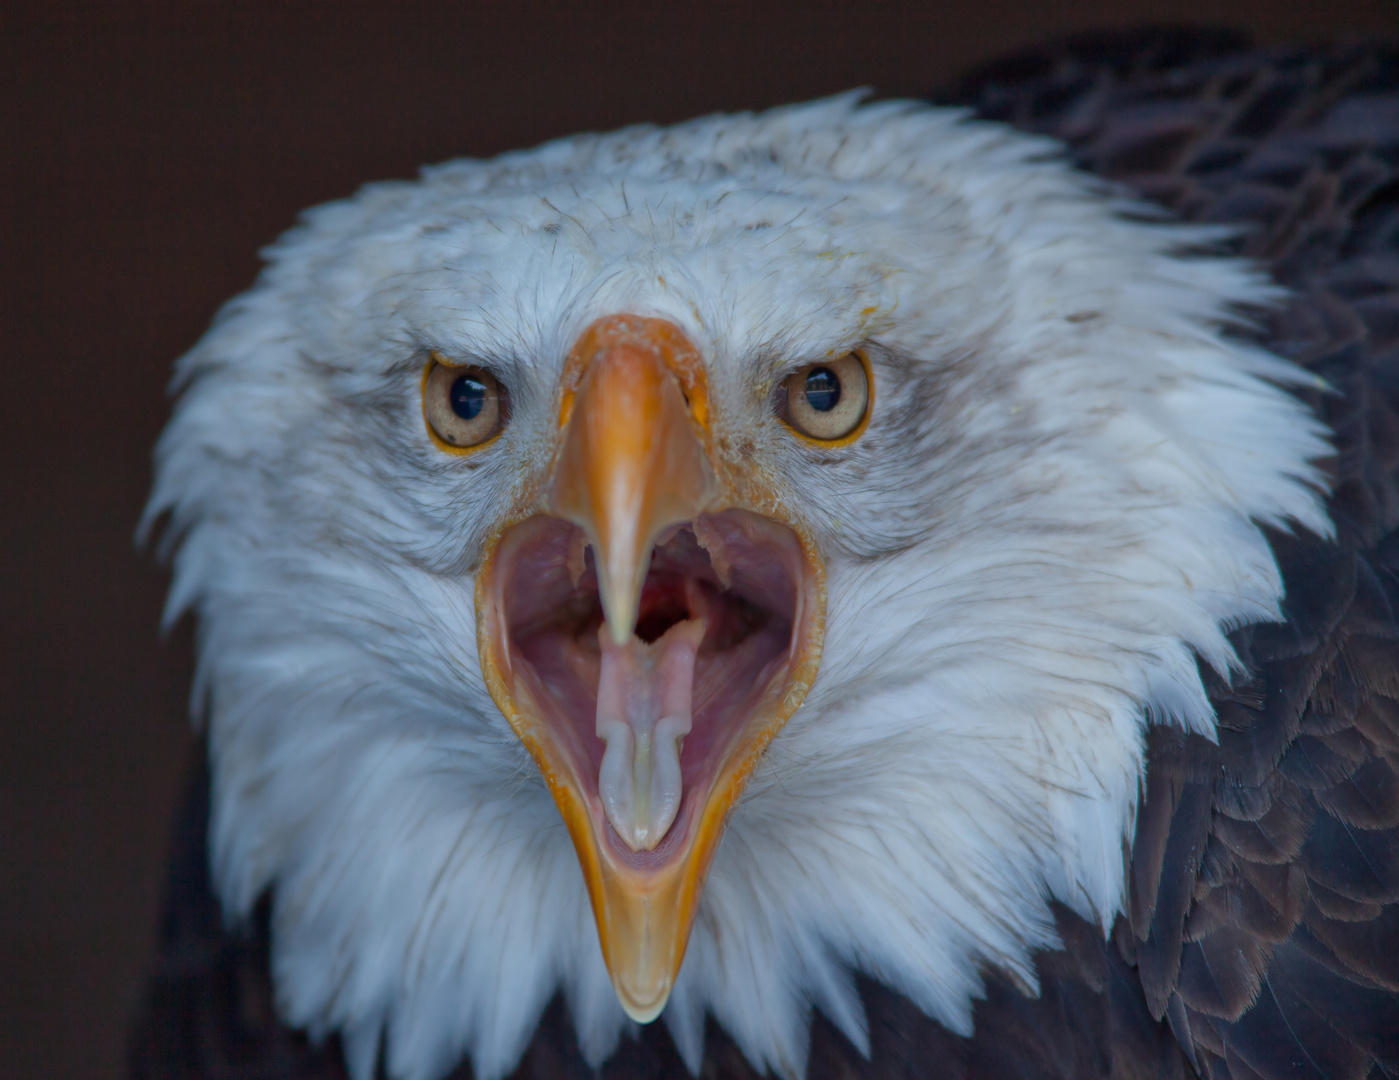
[[646, 637], [648, 726]]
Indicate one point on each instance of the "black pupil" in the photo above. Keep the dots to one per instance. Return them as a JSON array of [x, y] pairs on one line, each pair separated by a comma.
[[822, 389], [468, 397]]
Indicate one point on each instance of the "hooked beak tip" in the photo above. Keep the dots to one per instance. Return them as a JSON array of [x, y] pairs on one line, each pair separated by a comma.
[[621, 604]]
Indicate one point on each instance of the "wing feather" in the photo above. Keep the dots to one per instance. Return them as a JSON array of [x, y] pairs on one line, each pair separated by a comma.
[[1289, 960]]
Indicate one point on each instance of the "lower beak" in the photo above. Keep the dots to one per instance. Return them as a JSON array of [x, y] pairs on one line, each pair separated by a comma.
[[646, 745]]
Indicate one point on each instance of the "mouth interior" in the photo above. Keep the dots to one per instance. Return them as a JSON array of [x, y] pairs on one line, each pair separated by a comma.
[[715, 631]]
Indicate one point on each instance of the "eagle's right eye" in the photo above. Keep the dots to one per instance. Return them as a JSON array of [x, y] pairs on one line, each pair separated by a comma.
[[464, 405]]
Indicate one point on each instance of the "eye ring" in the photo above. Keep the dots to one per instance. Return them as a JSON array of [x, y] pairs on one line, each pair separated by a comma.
[[464, 407], [829, 403]]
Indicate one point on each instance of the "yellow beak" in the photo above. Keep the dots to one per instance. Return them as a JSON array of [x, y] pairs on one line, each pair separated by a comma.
[[632, 464], [635, 461]]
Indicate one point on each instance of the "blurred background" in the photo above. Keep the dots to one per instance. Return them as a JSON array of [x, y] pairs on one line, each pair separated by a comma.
[[147, 151]]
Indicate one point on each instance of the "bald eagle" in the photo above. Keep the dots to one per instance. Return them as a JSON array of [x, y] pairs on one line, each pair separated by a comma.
[[833, 591]]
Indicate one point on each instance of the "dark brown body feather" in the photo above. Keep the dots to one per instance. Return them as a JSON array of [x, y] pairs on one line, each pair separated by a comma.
[[1262, 932]]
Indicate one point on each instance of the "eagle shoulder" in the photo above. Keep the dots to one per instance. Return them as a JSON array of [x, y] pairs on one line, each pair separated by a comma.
[[1263, 910]]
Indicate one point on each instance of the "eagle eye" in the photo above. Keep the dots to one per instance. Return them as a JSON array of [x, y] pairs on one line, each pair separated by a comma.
[[828, 402], [464, 406]]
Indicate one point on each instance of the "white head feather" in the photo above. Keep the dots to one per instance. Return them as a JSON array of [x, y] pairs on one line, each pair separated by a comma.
[[1052, 513]]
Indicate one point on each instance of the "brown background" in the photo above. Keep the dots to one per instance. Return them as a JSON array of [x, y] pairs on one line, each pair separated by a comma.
[[148, 151]]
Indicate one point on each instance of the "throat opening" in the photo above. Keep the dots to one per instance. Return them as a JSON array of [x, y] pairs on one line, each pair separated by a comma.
[[648, 725]]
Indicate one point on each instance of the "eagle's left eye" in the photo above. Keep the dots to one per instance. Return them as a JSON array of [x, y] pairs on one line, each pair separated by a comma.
[[464, 406], [828, 402]]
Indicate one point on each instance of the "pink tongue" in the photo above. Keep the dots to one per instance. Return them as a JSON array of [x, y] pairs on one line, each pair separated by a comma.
[[643, 714]]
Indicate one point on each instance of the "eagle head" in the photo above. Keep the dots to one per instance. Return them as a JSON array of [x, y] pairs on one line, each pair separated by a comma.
[[685, 567]]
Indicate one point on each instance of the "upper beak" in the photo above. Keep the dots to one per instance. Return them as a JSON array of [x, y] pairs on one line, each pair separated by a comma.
[[635, 461], [632, 464]]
